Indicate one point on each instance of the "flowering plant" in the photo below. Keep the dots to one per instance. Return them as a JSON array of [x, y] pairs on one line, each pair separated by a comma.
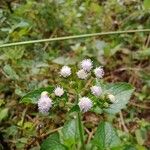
[[90, 93]]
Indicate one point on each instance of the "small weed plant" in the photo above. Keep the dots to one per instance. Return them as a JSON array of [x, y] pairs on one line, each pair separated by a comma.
[[81, 88]]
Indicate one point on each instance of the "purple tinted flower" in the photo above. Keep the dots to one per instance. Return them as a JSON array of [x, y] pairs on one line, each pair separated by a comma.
[[82, 74], [99, 72], [59, 91], [85, 104], [44, 103], [86, 65], [96, 90], [65, 71]]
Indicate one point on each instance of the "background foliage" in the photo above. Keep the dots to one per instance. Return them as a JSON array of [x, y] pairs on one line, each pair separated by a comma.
[[125, 57]]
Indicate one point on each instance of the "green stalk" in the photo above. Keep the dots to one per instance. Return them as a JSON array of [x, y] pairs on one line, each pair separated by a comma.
[[80, 126], [72, 37], [81, 131]]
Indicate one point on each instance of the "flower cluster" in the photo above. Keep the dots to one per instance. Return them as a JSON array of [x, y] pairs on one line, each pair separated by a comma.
[[85, 103], [45, 102], [85, 67]]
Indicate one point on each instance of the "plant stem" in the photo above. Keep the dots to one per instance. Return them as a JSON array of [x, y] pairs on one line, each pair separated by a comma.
[[79, 124], [72, 37], [81, 131]]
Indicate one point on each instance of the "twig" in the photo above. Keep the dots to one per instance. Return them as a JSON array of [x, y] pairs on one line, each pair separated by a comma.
[[90, 136], [86, 86], [88, 83], [72, 37], [29, 118], [148, 41], [52, 131], [88, 132], [139, 105], [40, 137], [123, 123], [24, 114], [128, 68]]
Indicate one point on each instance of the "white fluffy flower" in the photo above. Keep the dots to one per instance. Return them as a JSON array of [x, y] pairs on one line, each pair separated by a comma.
[[82, 74], [99, 72], [86, 65], [44, 103], [65, 71], [112, 98], [59, 91], [96, 90], [85, 104]]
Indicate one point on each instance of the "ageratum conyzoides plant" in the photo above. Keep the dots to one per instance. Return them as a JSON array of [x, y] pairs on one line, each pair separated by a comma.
[[81, 89]]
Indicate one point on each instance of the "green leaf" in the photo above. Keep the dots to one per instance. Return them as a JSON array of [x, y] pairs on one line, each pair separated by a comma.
[[146, 4], [32, 97], [2, 102], [10, 72], [145, 77], [65, 60], [122, 93], [134, 147], [20, 143], [115, 49], [139, 137], [15, 53], [129, 147], [69, 132], [142, 54], [3, 113], [53, 143], [106, 136], [12, 130]]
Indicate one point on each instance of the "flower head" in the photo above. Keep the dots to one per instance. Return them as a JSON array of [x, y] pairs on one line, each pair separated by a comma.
[[44, 103], [59, 91], [86, 65], [65, 71], [82, 74], [99, 72], [85, 104], [96, 90]]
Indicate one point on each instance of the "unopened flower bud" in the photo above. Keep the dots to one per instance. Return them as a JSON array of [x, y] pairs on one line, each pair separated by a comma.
[[96, 90], [65, 71], [59, 91], [106, 105], [44, 93], [99, 72], [82, 74], [44, 103], [86, 65], [112, 98], [85, 104]]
